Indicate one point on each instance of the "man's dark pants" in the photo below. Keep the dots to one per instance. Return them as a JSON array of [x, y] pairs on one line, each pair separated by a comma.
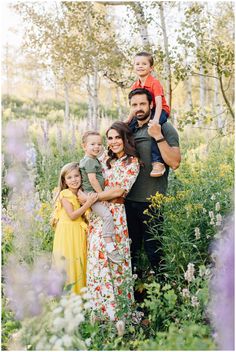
[[139, 232]]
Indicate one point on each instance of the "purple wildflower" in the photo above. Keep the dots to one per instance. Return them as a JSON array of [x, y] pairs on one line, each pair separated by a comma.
[[16, 140], [27, 287], [221, 309]]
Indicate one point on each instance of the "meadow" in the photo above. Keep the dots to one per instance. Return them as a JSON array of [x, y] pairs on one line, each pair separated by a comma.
[[181, 308]]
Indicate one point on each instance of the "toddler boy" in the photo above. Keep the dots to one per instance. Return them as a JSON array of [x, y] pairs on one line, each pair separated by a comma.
[[92, 180]]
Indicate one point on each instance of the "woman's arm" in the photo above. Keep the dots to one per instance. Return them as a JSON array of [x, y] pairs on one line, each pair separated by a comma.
[[109, 194]]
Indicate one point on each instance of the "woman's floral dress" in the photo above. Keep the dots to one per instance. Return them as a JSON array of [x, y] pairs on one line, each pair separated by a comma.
[[110, 284]]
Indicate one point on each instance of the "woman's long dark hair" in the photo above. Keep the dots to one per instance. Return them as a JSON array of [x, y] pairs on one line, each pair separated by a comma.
[[127, 137]]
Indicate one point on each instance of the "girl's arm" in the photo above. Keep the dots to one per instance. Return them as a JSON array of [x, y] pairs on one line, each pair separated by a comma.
[[75, 214]]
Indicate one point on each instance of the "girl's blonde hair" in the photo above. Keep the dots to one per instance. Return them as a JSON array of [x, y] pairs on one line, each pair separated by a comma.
[[61, 181]]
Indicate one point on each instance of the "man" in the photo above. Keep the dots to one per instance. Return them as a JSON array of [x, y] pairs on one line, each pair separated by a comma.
[[145, 186]]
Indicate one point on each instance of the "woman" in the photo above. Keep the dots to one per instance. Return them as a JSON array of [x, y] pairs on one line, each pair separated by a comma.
[[110, 284]]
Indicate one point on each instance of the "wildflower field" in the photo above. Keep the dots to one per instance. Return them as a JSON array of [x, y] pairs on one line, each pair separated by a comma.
[[186, 310]]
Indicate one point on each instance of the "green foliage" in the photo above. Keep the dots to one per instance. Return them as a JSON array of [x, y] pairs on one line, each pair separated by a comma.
[[50, 110], [200, 195], [187, 337], [203, 184], [161, 305], [9, 325]]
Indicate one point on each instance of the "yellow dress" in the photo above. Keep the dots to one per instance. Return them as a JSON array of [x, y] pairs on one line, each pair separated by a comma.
[[70, 242]]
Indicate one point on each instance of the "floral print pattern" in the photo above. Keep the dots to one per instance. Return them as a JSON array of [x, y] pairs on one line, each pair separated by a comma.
[[107, 282]]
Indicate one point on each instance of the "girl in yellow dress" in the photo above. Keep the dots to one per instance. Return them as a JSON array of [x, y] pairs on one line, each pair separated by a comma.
[[70, 241]]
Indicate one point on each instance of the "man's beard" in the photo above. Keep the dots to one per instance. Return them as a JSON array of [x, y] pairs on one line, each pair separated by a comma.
[[144, 116]]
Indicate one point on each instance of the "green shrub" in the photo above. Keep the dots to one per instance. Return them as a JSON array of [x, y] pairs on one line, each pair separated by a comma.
[[200, 195], [188, 337]]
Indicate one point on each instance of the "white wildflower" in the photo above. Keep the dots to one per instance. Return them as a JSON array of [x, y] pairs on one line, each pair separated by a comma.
[[202, 270], [87, 296], [79, 318], [189, 274], [58, 345], [64, 302], [71, 326], [40, 345], [76, 310], [120, 325], [87, 305], [211, 214], [217, 207], [53, 339], [197, 233], [218, 219], [88, 342], [58, 323], [185, 292], [212, 222], [57, 310], [68, 315], [213, 197], [204, 210], [135, 276], [194, 301], [67, 341]]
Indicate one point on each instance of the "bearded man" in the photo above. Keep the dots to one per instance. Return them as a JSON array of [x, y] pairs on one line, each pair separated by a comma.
[[145, 186]]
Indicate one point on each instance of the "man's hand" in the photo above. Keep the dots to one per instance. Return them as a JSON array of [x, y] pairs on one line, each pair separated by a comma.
[[154, 129]]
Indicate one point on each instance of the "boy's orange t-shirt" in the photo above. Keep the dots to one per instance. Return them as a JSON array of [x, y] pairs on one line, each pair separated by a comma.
[[155, 88]]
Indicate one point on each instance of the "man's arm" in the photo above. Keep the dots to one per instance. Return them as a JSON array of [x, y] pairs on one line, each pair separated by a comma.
[[171, 155]]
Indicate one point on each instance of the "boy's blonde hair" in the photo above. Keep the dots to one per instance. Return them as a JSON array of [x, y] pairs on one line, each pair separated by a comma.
[[87, 134]]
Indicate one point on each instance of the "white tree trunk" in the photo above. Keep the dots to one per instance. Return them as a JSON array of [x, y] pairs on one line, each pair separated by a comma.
[[95, 97], [7, 71], [143, 30], [67, 105], [90, 103], [92, 89], [202, 90], [118, 102], [189, 100], [167, 67], [217, 108]]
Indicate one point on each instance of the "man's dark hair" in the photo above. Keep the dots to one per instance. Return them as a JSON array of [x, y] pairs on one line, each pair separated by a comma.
[[148, 55], [140, 91]]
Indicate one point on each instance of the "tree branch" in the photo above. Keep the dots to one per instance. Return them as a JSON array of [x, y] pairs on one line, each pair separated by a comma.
[[200, 74], [225, 97]]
